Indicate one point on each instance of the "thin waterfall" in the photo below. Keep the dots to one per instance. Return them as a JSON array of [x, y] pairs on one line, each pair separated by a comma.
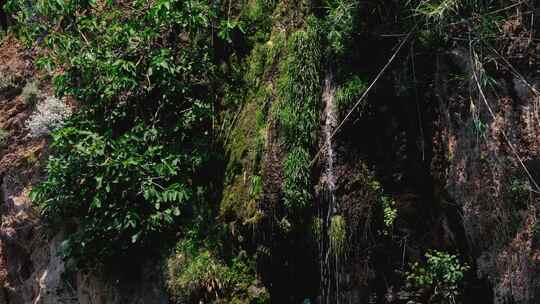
[[329, 259], [330, 123]]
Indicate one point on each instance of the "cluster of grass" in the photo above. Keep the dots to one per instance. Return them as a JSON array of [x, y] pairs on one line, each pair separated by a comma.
[[299, 95], [441, 22], [296, 184], [339, 24], [348, 94]]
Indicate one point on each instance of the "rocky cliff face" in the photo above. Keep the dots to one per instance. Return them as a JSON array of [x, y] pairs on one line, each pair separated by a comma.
[[431, 160], [491, 146]]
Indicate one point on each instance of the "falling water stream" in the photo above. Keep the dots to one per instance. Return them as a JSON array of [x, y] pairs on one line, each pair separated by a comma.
[[330, 122], [328, 258]]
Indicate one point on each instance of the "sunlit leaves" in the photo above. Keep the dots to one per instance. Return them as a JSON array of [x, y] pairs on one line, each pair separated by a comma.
[[123, 169]]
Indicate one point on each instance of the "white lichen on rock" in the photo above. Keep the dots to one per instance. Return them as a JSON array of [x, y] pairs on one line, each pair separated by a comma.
[[50, 115]]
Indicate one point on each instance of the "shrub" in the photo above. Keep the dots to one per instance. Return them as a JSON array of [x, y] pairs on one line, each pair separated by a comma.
[[257, 14], [439, 278], [30, 92], [50, 115], [197, 275]]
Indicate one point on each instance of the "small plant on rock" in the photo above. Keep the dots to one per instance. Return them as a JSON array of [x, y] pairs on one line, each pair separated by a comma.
[[7, 82], [30, 93], [389, 214], [3, 137]]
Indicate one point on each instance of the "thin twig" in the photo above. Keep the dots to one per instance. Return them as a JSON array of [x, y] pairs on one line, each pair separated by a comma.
[[504, 9]]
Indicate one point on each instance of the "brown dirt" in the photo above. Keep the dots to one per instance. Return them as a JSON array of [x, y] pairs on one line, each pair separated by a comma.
[[16, 62]]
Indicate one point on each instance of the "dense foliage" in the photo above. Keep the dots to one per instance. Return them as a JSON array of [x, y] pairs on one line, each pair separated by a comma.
[[124, 167]]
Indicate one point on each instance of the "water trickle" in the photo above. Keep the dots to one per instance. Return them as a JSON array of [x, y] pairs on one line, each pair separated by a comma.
[[329, 257], [330, 122]]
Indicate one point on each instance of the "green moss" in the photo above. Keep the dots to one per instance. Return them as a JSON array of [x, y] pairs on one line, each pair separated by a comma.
[[275, 46], [256, 63], [248, 139], [263, 59], [246, 146], [241, 151], [291, 15], [243, 185]]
